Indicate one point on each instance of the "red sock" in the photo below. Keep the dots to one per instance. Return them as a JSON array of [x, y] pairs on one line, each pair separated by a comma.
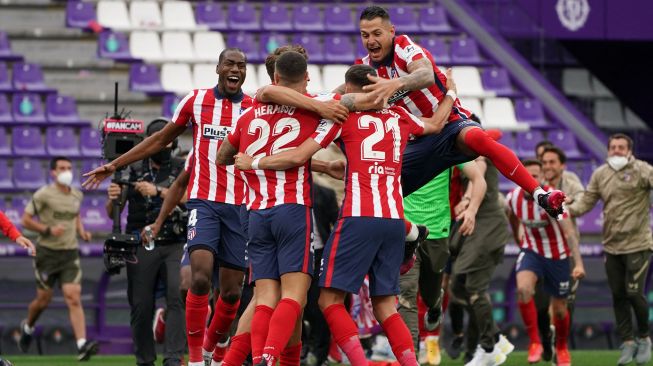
[[562, 331], [259, 330], [196, 309], [345, 333], [502, 157], [529, 314], [224, 315], [282, 325], [291, 355], [400, 340], [238, 350]]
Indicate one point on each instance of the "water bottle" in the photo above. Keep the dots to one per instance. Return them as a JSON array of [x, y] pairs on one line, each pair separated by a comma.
[[149, 238]]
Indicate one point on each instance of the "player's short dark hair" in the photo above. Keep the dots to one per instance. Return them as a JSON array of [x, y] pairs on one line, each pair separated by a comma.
[[556, 150], [272, 57], [53, 162], [620, 135], [373, 12], [291, 66], [545, 143], [530, 162], [357, 75], [229, 49]]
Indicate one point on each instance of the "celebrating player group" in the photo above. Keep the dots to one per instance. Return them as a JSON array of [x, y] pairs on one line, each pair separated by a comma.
[[399, 123]]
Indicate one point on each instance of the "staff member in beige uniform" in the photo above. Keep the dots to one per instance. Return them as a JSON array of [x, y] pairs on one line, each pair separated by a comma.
[[57, 255], [624, 184]]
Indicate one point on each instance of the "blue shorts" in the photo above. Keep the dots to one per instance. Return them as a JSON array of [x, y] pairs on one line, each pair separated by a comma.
[[360, 246], [280, 241], [553, 273], [428, 156], [216, 226]]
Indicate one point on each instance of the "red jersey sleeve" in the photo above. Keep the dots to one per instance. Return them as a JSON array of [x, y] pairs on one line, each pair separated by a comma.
[[408, 50], [415, 125], [184, 112], [326, 132], [8, 229]]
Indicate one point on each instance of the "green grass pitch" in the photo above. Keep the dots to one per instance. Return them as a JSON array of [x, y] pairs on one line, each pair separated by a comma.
[[579, 358]]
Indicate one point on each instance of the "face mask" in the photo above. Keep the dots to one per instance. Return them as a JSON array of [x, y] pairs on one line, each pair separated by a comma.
[[162, 156], [617, 162], [65, 178]]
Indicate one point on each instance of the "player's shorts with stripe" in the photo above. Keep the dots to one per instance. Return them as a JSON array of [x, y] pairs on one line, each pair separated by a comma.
[[430, 155], [216, 226], [359, 246], [553, 273], [280, 240]]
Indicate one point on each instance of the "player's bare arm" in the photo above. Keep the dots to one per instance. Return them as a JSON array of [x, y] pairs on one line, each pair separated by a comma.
[[335, 169], [436, 122], [175, 195], [226, 153], [286, 96], [284, 160], [420, 76], [475, 191], [578, 272], [151, 145]]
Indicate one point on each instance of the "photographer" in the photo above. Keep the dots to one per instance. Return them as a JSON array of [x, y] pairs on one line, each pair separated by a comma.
[[146, 183]]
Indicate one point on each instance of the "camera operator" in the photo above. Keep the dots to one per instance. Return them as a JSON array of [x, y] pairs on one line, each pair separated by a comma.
[[147, 184]]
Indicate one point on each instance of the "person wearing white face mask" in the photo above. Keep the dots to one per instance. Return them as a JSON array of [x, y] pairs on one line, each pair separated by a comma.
[[624, 184], [57, 207]]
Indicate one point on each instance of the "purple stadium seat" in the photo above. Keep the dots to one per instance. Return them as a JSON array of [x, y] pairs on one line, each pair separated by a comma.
[[5, 147], [275, 17], [62, 141], [5, 83], [145, 78], [90, 142], [169, 105], [87, 166], [496, 79], [61, 109], [5, 110], [115, 46], [16, 208], [433, 19], [361, 51], [247, 43], [307, 18], [591, 222], [338, 49], [465, 51], [404, 19], [438, 47], [94, 215], [28, 76], [566, 141], [527, 142], [211, 15], [270, 42], [339, 18], [28, 108], [79, 14], [313, 45], [531, 112], [28, 174], [6, 53], [5, 177], [242, 16], [27, 141]]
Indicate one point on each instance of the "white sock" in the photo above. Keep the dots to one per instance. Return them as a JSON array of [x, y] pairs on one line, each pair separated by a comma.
[[538, 191], [27, 329], [200, 363], [216, 363], [413, 233], [80, 343]]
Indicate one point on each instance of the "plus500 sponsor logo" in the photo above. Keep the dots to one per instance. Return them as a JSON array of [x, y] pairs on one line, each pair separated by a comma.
[[215, 132]]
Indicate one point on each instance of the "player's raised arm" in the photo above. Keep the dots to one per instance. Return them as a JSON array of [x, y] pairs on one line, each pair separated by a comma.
[[420, 76], [282, 161], [436, 122]]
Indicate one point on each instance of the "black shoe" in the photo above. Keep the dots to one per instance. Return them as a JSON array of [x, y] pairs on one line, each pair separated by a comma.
[[456, 347], [432, 318], [25, 339], [547, 344], [551, 202], [88, 349], [411, 247]]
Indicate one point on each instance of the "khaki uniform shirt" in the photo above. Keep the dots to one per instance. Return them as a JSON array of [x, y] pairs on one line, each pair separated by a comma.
[[53, 207], [626, 196]]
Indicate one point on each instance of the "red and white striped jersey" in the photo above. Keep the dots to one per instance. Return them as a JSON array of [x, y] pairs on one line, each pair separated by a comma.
[[542, 233], [266, 129], [189, 164], [213, 116], [374, 143], [421, 102]]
